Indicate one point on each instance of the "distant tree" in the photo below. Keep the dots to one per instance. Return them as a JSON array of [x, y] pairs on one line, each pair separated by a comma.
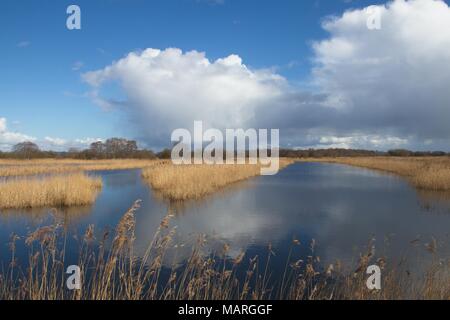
[[97, 148], [400, 153], [438, 153], [164, 154], [131, 147], [120, 148], [26, 149], [73, 150], [144, 154]]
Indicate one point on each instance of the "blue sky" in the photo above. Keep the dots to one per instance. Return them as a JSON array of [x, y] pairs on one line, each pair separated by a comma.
[[42, 92]]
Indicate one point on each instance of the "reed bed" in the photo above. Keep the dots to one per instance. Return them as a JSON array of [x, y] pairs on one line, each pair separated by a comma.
[[428, 173], [74, 189], [111, 270], [186, 182], [9, 168]]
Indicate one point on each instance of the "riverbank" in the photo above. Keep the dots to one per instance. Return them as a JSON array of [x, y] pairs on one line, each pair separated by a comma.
[[427, 173]]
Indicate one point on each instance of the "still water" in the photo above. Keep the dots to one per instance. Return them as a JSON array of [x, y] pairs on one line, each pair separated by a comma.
[[340, 207]]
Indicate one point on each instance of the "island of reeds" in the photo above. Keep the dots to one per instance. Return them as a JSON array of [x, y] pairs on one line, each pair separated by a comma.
[[193, 182], [74, 189]]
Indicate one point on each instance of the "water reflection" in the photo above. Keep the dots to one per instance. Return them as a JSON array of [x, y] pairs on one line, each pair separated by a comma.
[[339, 206], [435, 202]]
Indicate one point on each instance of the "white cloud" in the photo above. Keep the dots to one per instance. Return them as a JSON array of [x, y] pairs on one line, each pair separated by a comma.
[[395, 78], [59, 144], [372, 88], [55, 141], [8, 138], [170, 89], [87, 141], [376, 142]]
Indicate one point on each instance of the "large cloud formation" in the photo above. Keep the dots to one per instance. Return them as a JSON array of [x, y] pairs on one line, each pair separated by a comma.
[[170, 89], [393, 79], [372, 88]]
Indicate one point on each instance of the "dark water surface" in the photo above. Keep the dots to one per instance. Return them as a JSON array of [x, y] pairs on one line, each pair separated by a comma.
[[339, 206]]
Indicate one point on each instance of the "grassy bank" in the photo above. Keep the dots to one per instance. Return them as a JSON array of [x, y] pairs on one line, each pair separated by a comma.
[[10, 167], [428, 173], [184, 182], [117, 273], [54, 191]]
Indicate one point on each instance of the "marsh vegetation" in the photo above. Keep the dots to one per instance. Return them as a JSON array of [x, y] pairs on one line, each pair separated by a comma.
[[186, 182], [74, 189], [114, 268], [14, 167], [430, 173], [110, 269]]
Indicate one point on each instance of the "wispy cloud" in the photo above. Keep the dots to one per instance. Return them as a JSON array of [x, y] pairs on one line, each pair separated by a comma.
[[77, 65], [212, 2], [23, 44]]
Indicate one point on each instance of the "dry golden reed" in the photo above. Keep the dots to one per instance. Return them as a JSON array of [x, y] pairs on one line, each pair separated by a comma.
[[184, 182], [115, 272], [195, 181], [11, 167], [430, 173], [53, 191]]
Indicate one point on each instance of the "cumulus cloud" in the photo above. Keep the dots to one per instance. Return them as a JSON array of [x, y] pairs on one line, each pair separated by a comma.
[[395, 78], [9, 138], [170, 89], [372, 88]]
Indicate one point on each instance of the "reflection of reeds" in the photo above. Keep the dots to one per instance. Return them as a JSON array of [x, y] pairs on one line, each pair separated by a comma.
[[117, 273], [434, 201], [10, 168], [431, 173], [184, 182], [75, 189]]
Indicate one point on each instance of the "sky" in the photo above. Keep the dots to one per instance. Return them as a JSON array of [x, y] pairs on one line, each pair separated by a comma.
[[313, 69]]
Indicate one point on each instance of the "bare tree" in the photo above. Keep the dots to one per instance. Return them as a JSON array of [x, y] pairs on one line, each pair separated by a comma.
[[26, 149]]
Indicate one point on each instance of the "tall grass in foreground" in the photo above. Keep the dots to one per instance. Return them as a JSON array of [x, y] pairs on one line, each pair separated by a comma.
[[117, 273], [54, 191], [184, 182], [430, 173]]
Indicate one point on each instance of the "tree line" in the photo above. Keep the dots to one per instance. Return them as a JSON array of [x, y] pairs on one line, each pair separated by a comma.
[[119, 148], [114, 148], [338, 152]]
